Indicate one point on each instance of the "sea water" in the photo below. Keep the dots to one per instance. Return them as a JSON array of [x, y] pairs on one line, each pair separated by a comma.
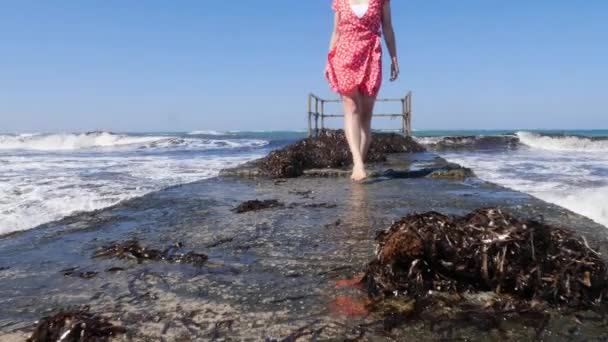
[[45, 177]]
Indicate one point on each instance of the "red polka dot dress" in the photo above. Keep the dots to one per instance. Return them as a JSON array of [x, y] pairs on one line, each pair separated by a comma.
[[355, 62]]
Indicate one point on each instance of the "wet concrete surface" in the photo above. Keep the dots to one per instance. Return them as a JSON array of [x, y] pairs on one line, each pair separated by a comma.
[[397, 165], [274, 274]]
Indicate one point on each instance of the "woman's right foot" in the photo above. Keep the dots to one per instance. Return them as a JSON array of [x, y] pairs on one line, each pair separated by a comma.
[[358, 174]]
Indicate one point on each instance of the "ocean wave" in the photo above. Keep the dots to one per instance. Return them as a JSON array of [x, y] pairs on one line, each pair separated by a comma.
[[27, 135], [95, 140], [576, 181], [70, 141], [563, 142], [543, 141], [208, 132], [45, 188], [470, 142], [188, 143]]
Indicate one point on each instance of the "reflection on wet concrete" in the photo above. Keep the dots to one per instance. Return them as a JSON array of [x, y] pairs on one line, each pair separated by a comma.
[[358, 206]]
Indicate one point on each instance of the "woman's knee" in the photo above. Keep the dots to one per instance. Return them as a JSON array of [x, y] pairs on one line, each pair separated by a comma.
[[367, 104], [352, 103]]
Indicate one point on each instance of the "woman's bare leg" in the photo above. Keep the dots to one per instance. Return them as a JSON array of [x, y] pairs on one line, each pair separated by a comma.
[[352, 130], [367, 109]]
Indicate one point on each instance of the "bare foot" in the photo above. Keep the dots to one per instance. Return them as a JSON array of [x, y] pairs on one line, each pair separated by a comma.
[[359, 173]]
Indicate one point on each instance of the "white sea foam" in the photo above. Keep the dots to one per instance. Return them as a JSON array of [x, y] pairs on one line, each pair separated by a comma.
[[590, 202], [203, 144], [429, 140], [530, 139], [59, 142], [36, 189], [562, 143], [207, 132], [570, 171], [44, 177], [449, 141], [67, 142], [576, 181]]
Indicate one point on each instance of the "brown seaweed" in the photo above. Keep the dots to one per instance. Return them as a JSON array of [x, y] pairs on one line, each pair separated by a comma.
[[302, 193], [132, 250], [76, 272], [255, 205], [220, 242], [76, 326], [330, 150], [486, 250], [333, 224]]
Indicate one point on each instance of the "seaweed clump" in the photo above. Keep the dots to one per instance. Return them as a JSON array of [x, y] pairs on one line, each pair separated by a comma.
[[132, 250], [486, 251], [330, 150], [255, 205], [75, 326], [76, 272]]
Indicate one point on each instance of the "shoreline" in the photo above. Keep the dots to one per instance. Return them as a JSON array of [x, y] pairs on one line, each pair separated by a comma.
[[269, 272]]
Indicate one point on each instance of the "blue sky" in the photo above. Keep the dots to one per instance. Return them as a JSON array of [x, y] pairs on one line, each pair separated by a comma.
[[157, 65]]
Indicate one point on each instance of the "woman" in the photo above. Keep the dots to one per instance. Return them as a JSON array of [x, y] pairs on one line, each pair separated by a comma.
[[354, 68]]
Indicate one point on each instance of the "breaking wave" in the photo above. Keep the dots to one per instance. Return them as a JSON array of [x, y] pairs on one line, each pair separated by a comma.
[[552, 142], [96, 140], [44, 177], [563, 142], [207, 132], [470, 142]]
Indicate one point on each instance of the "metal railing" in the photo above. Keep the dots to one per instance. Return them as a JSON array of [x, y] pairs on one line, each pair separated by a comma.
[[316, 111]]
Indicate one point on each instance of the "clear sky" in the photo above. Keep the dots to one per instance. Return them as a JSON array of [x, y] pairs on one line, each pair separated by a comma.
[[181, 65]]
